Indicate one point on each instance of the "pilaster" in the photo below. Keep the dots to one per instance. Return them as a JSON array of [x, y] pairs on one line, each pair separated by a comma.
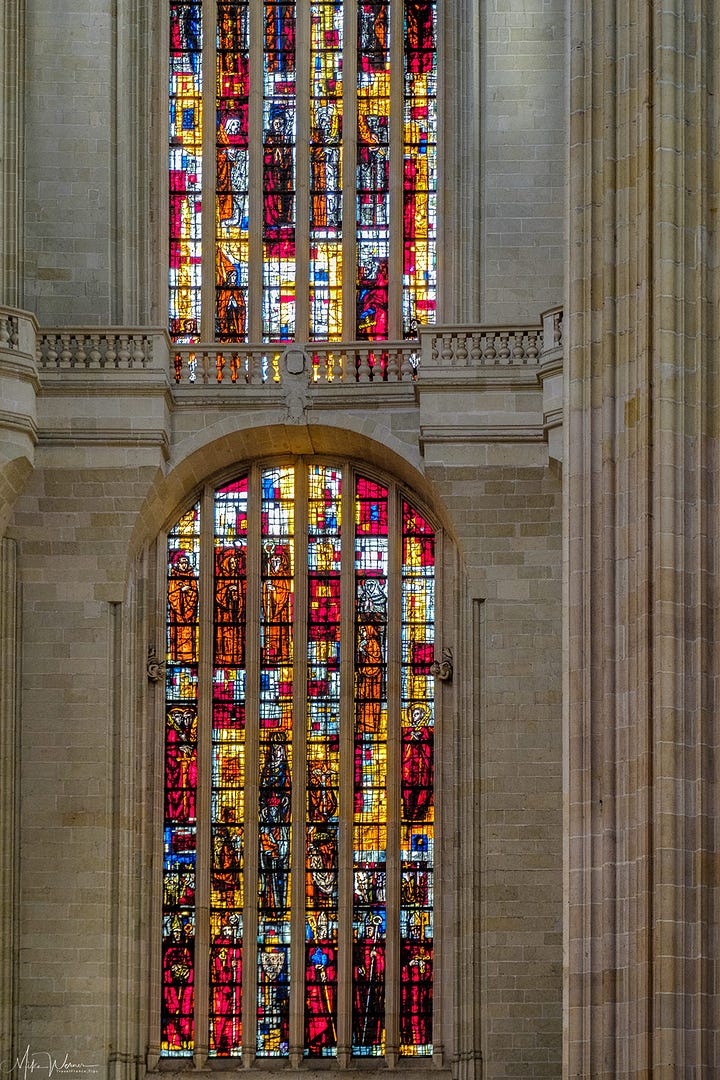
[[12, 76], [8, 796], [641, 731]]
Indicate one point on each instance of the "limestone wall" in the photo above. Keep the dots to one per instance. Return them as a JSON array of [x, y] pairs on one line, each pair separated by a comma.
[[109, 472]]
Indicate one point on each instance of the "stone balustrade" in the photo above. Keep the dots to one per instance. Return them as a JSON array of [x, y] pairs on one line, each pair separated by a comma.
[[9, 336], [98, 349], [437, 349]]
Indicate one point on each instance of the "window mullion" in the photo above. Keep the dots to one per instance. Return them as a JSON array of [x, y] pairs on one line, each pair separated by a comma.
[[252, 718], [302, 173], [442, 557], [349, 167], [209, 138], [255, 269], [347, 758], [297, 882], [204, 783], [394, 637], [395, 286]]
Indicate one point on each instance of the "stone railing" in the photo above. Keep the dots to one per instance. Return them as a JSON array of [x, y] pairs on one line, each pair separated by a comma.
[[8, 330], [89, 349], [437, 349], [491, 346], [336, 362]]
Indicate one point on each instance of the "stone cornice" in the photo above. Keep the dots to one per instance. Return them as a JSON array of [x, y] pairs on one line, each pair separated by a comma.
[[105, 436], [481, 433]]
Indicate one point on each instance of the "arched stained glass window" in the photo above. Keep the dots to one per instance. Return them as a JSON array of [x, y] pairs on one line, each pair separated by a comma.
[[299, 770], [302, 169]]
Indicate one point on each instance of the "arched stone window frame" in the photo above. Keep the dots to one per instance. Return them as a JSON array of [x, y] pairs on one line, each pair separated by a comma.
[[445, 559]]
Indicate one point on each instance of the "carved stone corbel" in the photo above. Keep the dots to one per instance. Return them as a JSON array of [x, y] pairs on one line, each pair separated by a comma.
[[155, 666], [443, 669]]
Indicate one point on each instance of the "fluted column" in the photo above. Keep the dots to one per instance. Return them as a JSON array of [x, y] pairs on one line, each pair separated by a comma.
[[641, 720]]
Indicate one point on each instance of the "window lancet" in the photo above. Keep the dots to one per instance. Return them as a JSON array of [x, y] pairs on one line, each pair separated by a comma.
[[299, 770], [302, 169]]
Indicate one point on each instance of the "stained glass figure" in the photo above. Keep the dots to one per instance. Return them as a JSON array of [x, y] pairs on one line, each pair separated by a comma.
[[227, 815], [373, 170], [370, 772], [322, 760], [181, 772], [185, 167], [419, 167], [416, 784], [232, 188], [278, 185], [275, 781], [326, 263]]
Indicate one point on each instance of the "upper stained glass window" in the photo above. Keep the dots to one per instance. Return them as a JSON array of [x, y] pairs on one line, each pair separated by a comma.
[[302, 169], [299, 770]]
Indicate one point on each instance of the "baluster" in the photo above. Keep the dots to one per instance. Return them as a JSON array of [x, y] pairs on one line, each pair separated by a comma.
[[123, 356], [4, 333], [138, 351], [65, 358], [392, 372], [518, 348], [318, 369], [324, 367], [364, 370], [461, 350], [476, 349], [257, 363], [489, 352], [407, 370], [504, 351], [94, 361], [14, 332], [52, 353], [532, 350], [447, 352], [110, 352], [557, 329], [80, 354]]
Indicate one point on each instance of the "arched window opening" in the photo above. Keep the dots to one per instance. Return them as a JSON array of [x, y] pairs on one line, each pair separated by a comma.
[[299, 770], [302, 169]]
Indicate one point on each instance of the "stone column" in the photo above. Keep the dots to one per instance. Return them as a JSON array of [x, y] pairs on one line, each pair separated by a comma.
[[12, 79], [8, 796], [642, 494]]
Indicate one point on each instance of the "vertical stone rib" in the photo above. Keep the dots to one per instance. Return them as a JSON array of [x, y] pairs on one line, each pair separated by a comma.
[[8, 796], [641, 504], [12, 75]]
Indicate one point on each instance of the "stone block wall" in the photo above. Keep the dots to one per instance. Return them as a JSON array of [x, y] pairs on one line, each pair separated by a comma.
[[90, 785], [505, 504], [522, 154], [69, 148]]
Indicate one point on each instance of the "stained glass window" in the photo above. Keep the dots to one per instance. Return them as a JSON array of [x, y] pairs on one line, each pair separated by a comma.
[[317, 221], [298, 816]]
